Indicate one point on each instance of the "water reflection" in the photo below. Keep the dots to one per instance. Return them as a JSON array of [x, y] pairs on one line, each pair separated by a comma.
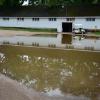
[[53, 92], [55, 74], [2, 57], [58, 40]]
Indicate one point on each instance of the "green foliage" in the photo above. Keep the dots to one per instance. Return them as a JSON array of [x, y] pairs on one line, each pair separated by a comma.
[[82, 1], [62, 2], [14, 3], [11, 3], [1, 2], [99, 1]]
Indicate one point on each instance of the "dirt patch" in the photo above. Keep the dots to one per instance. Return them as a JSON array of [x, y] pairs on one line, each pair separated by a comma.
[[25, 33]]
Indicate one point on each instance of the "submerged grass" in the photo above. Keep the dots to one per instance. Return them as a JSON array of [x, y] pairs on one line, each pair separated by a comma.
[[67, 70], [51, 52]]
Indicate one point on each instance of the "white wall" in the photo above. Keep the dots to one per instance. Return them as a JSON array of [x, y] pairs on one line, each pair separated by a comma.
[[42, 23], [87, 24], [45, 23]]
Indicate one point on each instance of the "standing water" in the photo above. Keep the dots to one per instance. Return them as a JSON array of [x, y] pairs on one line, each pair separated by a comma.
[[75, 74], [58, 40]]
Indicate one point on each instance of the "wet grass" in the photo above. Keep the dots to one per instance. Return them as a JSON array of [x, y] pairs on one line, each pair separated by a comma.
[[52, 52]]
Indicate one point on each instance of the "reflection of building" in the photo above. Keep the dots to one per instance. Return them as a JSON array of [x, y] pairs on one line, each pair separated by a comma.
[[62, 19], [66, 38]]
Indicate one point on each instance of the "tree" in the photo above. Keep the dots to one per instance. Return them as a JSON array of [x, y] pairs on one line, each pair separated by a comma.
[[82, 1], [98, 1], [11, 3], [1, 2]]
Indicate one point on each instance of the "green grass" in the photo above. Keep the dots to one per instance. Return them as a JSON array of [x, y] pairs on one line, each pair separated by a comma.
[[97, 33], [28, 29]]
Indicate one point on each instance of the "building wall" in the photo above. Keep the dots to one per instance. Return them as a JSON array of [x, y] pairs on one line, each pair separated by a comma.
[[45, 23], [87, 24], [42, 23]]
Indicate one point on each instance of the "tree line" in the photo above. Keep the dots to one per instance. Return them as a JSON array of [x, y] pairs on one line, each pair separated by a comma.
[[14, 3], [11, 3], [62, 2]]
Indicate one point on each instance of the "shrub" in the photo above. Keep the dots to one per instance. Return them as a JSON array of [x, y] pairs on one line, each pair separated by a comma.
[[52, 45], [6, 42], [89, 48], [69, 46]]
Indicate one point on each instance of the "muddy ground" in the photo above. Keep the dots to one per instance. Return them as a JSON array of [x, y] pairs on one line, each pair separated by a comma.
[[12, 90]]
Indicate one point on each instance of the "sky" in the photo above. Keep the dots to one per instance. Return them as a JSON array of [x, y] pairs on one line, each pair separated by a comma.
[[25, 2]]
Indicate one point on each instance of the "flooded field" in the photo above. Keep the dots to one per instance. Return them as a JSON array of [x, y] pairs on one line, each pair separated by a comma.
[[54, 72], [58, 40]]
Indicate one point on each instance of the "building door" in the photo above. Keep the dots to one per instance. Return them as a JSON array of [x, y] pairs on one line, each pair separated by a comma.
[[66, 27]]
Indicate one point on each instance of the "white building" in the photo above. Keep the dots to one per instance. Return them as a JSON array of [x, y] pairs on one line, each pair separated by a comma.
[[60, 19]]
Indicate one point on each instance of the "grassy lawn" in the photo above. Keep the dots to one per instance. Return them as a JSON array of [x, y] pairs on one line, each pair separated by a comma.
[[28, 29], [97, 33]]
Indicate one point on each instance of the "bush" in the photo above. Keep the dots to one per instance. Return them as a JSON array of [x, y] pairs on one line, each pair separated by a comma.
[[89, 48], [6, 42], [35, 44], [69, 46], [20, 43], [52, 45]]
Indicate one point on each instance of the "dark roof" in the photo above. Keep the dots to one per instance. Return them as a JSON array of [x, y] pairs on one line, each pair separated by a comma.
[[29, 11]]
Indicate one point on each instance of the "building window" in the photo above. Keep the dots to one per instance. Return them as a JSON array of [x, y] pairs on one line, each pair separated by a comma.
[[35, 19], [52, 19], [70, 19], [6, 18], [20, 19], [90, 19]]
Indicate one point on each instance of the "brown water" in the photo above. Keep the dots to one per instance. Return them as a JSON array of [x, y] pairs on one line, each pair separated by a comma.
[[54, 72]]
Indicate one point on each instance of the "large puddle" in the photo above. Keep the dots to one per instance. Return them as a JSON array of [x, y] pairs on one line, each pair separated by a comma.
[[53, 72], [52, 39]]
